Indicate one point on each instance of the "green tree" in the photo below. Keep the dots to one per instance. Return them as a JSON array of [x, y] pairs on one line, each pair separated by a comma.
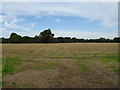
[[46, 36], [37, 39], [101, 39], [116, 39], [14, 38]]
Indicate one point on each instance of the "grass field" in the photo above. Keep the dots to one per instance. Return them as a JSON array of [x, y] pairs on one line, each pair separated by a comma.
[[76, 65]]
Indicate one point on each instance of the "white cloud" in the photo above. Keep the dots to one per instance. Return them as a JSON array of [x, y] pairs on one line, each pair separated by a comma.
[[1, 18], [26, 29], [15, 26], [10, 21], [10, 25], [83, 34], [58, 20], [33, 25], [4, 32], [105, 12]]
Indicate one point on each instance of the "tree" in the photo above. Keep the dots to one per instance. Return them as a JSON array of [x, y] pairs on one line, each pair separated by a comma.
[[117, 39], [74, 39], [4, 40], [101, 39], [27, 39], [46, 36], [37, 39], [14, 38]]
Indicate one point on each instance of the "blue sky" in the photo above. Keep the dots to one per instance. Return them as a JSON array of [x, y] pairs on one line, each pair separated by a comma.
[[66, 19]]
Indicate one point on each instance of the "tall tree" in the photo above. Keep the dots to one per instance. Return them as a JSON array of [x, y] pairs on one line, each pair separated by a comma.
[[116, 39], [46, 36], [14, 38]]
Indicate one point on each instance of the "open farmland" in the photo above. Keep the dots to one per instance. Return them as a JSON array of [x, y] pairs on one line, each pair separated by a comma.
[[64, 65]]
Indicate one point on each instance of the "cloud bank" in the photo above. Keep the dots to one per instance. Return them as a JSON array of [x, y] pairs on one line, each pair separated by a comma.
[[106, 13]]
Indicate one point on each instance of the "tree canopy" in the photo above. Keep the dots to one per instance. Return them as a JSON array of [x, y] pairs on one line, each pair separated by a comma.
[[48, 37], [14, 38]]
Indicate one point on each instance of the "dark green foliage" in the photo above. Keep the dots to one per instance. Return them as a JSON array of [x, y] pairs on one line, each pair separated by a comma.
[[4, 40], [101, 39], [37, 39], [27, 39], [14, 38], [48, 37], [116, 39]]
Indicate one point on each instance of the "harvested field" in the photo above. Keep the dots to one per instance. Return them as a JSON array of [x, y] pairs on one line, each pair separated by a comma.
[[64, 65]]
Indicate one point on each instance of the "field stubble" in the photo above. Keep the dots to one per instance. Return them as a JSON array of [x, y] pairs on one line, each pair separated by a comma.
[[65, 65]]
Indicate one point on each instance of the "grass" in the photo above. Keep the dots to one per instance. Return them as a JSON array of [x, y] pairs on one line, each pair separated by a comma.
[[13, 64], [28, 86], [81, 64], [14, 84], [45, 65], [92, 54], [0, 71], [58, 63], [11, 58], [9, 66], [109, 58], [83, 67], [80, 79], [101, 80], [50, 80], [118, 70]]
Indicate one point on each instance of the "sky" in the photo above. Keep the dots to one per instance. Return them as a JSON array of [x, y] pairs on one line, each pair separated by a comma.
[[65, 19]]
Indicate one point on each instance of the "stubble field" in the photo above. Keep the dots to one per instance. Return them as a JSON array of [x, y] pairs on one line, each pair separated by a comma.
[[64, 65]]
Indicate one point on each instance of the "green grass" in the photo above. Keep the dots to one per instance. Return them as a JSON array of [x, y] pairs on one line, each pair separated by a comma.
[[81, 64], [118, 70], [105, 61], [14, 84], [0, 83], [9, 65], [50, 80], [109, 58], [82, 60], [0, 67], [101, 80], [7, 69], [83, 67], [114, 68], [11, 58], [12, 65], [92, 54], [113, 57], [28, 86]]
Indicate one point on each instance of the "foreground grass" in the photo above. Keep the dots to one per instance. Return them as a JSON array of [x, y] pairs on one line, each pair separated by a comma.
[[60, 65], [9, 67], [12, 65]]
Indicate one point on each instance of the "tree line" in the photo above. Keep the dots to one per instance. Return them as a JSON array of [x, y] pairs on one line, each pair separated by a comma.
[[48, 37]]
